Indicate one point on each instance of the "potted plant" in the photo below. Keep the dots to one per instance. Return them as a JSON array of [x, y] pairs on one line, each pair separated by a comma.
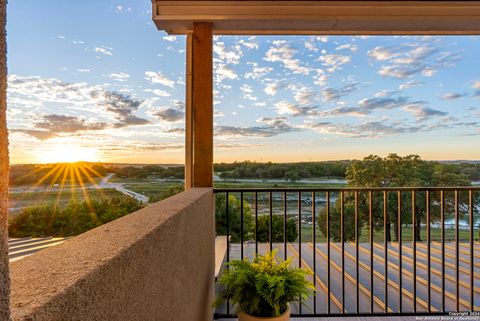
[[262, 289]]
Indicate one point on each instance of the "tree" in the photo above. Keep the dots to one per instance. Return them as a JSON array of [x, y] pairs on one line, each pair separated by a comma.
[[335, 221], [234, 218], [398, 171], [292, 175], [277, 229]]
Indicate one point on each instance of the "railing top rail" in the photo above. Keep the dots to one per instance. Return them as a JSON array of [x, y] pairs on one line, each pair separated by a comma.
[[347, 189]]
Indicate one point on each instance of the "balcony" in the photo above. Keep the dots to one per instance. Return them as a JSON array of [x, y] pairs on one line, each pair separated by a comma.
[[159, 262]]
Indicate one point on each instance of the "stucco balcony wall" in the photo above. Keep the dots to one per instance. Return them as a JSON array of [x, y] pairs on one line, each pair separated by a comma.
[[155, 264]]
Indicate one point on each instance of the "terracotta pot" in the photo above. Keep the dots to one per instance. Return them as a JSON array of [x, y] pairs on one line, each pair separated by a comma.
[[285, 316]]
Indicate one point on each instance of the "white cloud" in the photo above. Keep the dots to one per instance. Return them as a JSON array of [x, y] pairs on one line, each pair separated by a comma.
[[246, 88], [409, 59], [223, 71], [257, 72], [285, 107], [249, 44], [451, 96], [227, 55], [122, 9], [321, 78], [476, 86], [334, 61], [410, 84], [303, 95], [104, 50], [158, 92], [309, 45], [285, 54], [159, 78], [332, 94], [382, 53], [323, 39], [119, 76], [271, 89], [423, 113], [399, 72], [348, 46], [170, 38]]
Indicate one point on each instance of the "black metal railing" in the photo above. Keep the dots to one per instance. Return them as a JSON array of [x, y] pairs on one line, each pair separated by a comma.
[[371, 251]]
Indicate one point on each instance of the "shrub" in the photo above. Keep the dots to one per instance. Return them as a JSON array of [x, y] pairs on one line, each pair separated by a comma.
[[234, 216], [277, 229], [75, 218]]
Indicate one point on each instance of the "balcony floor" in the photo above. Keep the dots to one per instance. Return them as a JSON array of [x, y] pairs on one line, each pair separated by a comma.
[[374, 318]]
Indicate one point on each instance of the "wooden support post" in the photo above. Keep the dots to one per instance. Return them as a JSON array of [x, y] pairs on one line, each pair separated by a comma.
[[200, 166], [189, 115]]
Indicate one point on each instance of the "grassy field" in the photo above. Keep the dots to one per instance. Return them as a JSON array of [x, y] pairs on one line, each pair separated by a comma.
[[378, 236], [267, 184], [150, 188]]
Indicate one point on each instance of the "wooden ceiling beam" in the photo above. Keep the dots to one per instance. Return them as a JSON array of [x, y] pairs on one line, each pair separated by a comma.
[[320, 17]]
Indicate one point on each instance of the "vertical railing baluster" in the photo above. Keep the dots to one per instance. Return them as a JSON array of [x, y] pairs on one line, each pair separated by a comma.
[[457, 257], [429, 278], [327, 195], [472, 244], [285, 225], [314, 237], [300, 240], [400, 259], [241, 225], [357, 258], [442, 220], [256, 223], [270, 227], [414, 236], [342, 239], [372, 268], [385, 241], [227, 221]]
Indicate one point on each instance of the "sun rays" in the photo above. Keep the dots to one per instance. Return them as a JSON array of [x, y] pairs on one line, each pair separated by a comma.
[[78, 178]]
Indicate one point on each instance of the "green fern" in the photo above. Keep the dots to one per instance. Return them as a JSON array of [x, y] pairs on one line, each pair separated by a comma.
[[263, 287]]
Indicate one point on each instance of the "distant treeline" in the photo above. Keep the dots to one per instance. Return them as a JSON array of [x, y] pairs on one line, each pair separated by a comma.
[[287, 171], [148, 171], [47, 174], [337, 169]]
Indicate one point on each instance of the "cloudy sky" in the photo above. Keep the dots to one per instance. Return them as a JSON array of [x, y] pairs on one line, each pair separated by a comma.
[[96, 79]]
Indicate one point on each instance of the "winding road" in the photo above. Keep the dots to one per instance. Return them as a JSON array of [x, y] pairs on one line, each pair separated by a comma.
[[105, 183]]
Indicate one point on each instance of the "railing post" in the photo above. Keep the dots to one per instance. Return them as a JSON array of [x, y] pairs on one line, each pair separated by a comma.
[[4, 270]]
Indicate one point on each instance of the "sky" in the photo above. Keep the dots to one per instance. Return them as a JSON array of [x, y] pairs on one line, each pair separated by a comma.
[[96, 81]]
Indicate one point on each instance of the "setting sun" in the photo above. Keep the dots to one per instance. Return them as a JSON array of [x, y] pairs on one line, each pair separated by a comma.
[[68, 154]]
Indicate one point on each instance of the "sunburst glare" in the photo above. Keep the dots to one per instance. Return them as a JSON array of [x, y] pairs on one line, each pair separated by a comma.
[[64, 153]]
